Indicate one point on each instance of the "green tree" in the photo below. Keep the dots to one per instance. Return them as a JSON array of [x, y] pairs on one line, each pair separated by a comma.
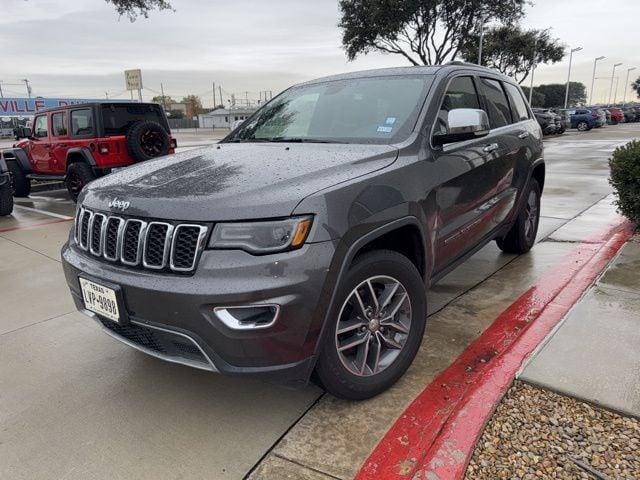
[[554, 94], [422, 31], [510, 50], [134, 8], [636, 87], [537, 99], [164, 101], [194, 105]]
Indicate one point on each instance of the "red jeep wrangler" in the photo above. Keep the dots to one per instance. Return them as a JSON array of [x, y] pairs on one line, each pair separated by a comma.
[[78, 143]]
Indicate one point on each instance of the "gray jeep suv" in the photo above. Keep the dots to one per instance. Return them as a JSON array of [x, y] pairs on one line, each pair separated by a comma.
[[304, 242]]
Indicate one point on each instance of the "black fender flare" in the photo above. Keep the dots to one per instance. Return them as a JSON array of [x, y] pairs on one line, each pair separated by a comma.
[[84, 152], [19, 156], [346, 260]]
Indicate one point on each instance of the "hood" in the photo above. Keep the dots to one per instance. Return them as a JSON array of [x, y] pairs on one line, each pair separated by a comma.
[[233, 181]]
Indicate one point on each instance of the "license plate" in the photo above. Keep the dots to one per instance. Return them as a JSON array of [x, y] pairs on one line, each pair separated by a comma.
[[100, 299]]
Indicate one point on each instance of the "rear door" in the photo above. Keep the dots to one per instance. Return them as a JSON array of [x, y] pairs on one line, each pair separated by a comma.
[[59, 142], [468, 174]]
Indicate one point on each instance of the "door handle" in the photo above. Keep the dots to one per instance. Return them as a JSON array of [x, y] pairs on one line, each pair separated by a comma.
[[523, 135], [490, 148]]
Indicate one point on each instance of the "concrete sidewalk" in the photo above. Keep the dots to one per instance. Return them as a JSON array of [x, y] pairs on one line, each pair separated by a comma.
[[594, 354]]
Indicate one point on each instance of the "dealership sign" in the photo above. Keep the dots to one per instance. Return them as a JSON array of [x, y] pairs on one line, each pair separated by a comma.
[[22, 107]]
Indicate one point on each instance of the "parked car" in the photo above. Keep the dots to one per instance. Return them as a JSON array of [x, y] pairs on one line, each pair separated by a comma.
[[564, 119], [607, 114], [631, 114], [6, 190], [306, 239], [79, 143], [583, 119], [617, 115], [546, 120], [600, 115]]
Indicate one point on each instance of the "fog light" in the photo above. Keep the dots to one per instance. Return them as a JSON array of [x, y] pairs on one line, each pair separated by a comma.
[[248, 317]]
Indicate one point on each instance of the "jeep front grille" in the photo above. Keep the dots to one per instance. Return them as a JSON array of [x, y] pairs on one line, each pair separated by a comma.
[[137, 243]]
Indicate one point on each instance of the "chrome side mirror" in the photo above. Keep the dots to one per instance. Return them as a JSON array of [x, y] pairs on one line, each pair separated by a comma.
[[463, 124]]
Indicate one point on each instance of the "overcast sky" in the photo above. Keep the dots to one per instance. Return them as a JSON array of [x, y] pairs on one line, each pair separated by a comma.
[[80, 48]]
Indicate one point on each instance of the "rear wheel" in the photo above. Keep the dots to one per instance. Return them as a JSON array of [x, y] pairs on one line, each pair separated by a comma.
[[78, 175], [522, 235], [583, 126], [6, 200], [377, 329], [21, 184]]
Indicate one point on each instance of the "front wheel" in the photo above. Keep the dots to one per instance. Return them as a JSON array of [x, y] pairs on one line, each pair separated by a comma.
[[583, 126], [21, 184], [6, 200], [522, 235], [377, 329], [78, 175]]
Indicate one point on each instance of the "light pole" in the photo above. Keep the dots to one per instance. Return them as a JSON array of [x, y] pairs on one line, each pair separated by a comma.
[[615, 94], [26, 82], [566, 94], [627, 84], [593, 79], [482, 22], [613, 74], [533, 69]]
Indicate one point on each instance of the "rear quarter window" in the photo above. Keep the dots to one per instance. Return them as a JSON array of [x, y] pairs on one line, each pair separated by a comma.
[[117, 119]]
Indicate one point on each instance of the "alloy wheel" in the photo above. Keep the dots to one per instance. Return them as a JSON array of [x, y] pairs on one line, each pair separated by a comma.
[[373, 325], [531, 212]]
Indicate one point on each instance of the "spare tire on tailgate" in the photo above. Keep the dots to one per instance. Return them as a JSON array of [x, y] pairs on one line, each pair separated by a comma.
[[146, 140]]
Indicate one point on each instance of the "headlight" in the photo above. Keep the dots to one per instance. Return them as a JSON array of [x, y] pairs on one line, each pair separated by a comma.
[[262, 237]]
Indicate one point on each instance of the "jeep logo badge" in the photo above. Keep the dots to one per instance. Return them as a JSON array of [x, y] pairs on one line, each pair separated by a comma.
[[121, 205]]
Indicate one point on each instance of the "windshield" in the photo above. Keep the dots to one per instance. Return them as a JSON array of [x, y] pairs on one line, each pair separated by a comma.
[[363, 110]]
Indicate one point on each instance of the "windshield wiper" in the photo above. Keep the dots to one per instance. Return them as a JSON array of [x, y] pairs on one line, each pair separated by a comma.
[[301, 140], [248, 140]]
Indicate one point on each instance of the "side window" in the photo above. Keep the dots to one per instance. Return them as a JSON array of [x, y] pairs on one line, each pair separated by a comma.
[[40, 129], [497, 103], [519, 110], [59, 124], [461, 93], [81, 122]]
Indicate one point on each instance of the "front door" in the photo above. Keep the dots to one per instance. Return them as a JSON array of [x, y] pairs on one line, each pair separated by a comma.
[[40, 148], [472, 176]]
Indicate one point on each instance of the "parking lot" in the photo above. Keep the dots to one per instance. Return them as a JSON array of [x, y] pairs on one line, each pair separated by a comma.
[[77, 404]]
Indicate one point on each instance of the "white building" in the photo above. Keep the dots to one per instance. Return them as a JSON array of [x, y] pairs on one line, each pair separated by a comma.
[[224, 117]]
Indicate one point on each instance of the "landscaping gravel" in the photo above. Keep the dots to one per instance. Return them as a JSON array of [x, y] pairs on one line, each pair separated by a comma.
[[535, 433]]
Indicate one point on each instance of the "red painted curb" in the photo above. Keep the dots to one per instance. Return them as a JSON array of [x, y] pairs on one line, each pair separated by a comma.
[[436, 435], [34, 225]]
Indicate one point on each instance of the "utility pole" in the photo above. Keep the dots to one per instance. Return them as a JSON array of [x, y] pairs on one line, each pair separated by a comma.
[[26, 82], [615, 95], [566, 94], [164, 99], [594, 78], [246, 98], [214, 94], [106, 95], [1, 95], [220, 91], [613, 74], [626, 84]]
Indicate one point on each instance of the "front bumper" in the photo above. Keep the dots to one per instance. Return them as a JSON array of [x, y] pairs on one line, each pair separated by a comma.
[[172, 316]]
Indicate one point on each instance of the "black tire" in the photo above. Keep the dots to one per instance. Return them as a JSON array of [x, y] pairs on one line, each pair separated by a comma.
[[522, 235], [79, 174], [21, 184], [331, 372], [147, 140], [6, 200], [583, 126]]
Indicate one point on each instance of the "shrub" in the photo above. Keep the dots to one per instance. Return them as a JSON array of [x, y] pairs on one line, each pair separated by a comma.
[[625, 179]]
